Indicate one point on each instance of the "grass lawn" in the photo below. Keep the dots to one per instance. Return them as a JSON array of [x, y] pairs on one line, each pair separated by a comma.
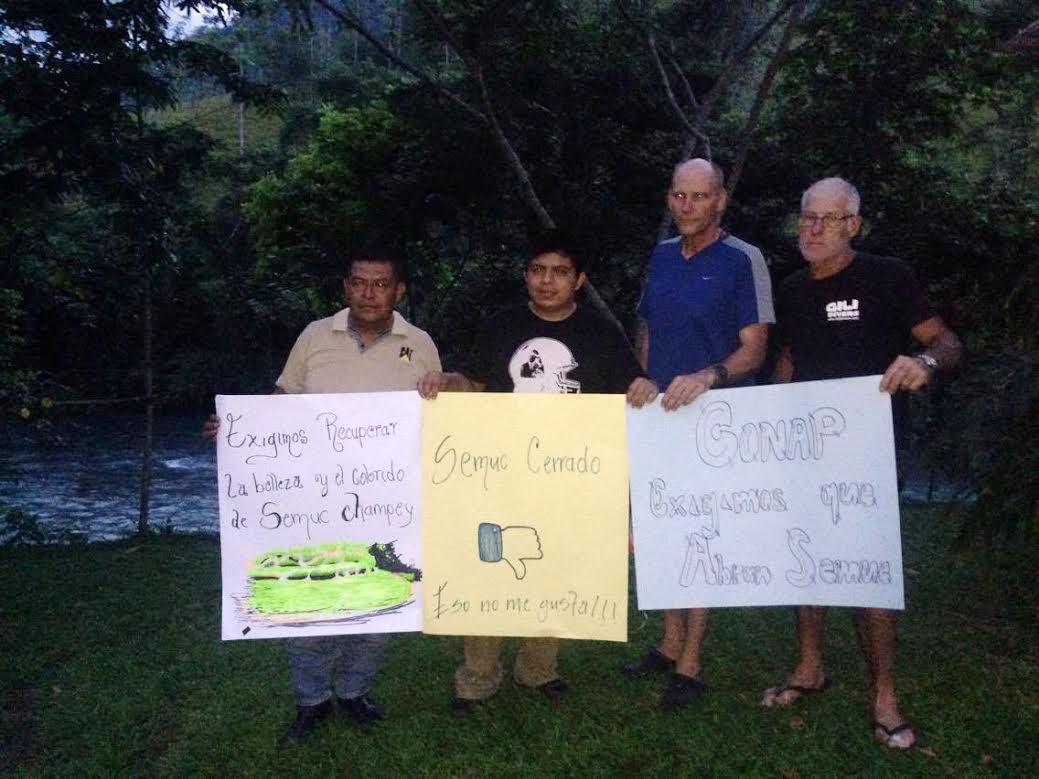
[[111, 665]]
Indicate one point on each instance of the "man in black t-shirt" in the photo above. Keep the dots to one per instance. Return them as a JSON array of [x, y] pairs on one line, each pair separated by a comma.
[[549, 344], [852, 314]]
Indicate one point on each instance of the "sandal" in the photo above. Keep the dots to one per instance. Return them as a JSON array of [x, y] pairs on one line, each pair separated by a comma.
[[899, 737], [774, 692], [682, 691], [653, 661]]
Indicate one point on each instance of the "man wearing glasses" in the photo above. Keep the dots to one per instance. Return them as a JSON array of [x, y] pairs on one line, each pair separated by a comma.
[[553, 344], [851, 314], [366, 347], [703, 323]]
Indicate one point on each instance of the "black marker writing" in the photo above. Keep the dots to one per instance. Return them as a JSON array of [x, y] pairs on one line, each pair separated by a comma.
[[468, 465], [270, 444]]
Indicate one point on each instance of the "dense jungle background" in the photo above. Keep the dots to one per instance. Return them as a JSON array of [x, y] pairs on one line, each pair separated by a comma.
[[172, 202]]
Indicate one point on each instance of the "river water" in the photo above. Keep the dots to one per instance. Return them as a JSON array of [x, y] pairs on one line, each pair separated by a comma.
[[81, 477]]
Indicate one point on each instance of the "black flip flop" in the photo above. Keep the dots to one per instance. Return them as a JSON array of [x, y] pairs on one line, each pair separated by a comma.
[[653, 661]]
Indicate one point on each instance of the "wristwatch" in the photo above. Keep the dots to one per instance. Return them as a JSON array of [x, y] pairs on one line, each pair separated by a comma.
[[722, 373], [928, 362]]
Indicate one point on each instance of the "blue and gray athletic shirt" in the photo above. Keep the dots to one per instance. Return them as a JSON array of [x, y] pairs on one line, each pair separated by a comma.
[[696, 308]]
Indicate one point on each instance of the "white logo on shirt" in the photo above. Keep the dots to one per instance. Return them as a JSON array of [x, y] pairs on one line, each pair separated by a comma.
[[541, 365], [842, 310]]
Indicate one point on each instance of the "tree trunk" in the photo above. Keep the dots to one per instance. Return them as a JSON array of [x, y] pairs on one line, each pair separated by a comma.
[[241, 117], [149, 412], [400, 28]]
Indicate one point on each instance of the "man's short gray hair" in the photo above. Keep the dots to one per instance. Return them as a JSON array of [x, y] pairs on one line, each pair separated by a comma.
[[851, 195]]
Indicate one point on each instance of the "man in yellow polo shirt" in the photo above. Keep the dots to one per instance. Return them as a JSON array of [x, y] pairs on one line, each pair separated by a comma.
[[366, 347]]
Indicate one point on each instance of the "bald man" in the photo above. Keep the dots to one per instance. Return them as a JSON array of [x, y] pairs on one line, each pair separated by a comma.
[[703, 323]]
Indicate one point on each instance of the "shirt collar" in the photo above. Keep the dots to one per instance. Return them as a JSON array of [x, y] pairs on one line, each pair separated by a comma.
[[342, 322]]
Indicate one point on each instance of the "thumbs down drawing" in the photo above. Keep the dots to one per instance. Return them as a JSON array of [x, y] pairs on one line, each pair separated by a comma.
[[514, 544]]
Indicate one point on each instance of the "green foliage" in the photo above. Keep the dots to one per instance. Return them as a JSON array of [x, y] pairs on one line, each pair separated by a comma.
[[217, 116], [919, 104], [100, 196], [20, 528], [942, 145], [1010, 483], [325, 200], [15, 383]]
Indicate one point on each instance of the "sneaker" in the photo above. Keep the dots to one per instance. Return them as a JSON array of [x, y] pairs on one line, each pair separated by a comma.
[[555, 689], [361, 709], [307, 718], [682, 691], [653, 661]]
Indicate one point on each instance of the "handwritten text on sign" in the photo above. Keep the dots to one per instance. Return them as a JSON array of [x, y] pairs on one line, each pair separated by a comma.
[[525, 515], [784, 494], [319, 513]]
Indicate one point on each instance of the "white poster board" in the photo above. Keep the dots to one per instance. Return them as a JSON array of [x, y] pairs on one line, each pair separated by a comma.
[[319, 513], [784, 494]]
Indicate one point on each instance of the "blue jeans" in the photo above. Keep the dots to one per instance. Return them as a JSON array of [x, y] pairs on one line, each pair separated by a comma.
[[346, 664]]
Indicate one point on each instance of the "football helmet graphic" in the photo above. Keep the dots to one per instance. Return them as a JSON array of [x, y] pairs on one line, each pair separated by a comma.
[[541, 365]]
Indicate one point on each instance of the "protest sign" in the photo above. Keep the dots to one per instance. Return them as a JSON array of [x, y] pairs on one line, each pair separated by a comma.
[[784, 494], [525, 515], [319, 513]]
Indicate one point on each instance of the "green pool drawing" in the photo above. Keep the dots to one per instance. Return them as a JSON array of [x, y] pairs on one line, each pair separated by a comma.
[[329, 578]]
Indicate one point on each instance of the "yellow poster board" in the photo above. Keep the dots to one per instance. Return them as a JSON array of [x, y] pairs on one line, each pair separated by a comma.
[[525, 515]]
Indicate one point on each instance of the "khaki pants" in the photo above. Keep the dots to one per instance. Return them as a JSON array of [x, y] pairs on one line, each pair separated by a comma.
[[481, 673]]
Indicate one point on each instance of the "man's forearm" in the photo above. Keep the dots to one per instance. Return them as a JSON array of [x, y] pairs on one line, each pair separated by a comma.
[[750, 355], [784, 370], [946, 349], [459, 382], [642, 343]]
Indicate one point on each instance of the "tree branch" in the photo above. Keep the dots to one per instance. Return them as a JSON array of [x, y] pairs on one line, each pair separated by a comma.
[[507, 149], [747, 133], [691, 128], [105, 401], [729, 68], [436, 18], [707, 105], [488, 116], [689, 94], [350, 21]]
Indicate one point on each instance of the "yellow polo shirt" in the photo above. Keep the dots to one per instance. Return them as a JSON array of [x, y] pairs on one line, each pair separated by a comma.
[[327, 358]]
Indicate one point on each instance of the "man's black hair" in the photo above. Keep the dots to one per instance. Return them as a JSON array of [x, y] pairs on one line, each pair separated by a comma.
[[559, 242], [375, 251]]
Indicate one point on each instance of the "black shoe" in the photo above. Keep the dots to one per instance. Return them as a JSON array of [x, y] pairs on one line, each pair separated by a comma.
[[653, 661], [361, 709], [682, 691], [555, 689], [463, 707], [307, 718]]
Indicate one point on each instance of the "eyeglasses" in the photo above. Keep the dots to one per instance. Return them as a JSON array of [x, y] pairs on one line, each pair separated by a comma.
[[828, 221], [357, 284]]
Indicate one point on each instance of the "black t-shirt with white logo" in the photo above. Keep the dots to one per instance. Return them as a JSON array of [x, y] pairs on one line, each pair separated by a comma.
[[520, 352], [853, 323]]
